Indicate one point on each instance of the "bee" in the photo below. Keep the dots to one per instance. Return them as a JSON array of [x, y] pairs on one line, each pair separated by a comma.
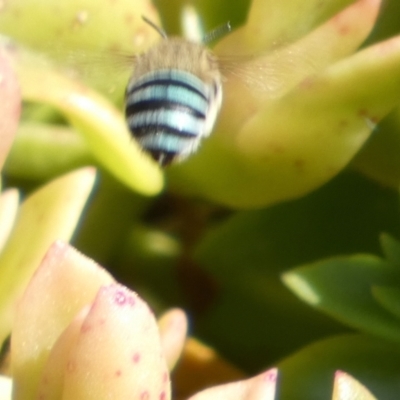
[[173, 98]]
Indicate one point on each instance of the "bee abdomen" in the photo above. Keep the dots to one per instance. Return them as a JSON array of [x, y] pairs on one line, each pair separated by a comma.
[[167, 112]]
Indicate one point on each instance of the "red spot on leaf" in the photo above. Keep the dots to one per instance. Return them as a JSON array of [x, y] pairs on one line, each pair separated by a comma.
[[71, 366], [299, 164], [122, 298], [129, 18], [163, 395], [144, 395], [165, 377], [341, 24], [118, 372], [86, 328], [136, 358], [271, 376]]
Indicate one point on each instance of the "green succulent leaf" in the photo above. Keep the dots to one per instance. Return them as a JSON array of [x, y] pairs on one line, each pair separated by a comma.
[[10, 105], [101, 125], [50, 213], [307, 374], [391, 249], [389, 298], [43, 151], [89, 35], [342, 287], [266, 148]]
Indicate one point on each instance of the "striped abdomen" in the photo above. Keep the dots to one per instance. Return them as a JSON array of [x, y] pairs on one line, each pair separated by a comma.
[[169, 111]]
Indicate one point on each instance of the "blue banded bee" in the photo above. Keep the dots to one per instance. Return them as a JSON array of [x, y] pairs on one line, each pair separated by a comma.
[[173, 98]]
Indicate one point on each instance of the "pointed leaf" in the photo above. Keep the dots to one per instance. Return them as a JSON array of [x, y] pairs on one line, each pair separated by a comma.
[[391, 248], [261, 387], [118, 354], [342, 287], [95, 118], [50, 213], [51, 383], [5, 388], [308, 373], [64, 283], [173, 326], [348, 388], [9, 202], [389, 298], [42, 151], [10, 105]]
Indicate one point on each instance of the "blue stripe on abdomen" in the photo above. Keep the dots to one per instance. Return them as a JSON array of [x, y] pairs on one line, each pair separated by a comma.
[[178, 120], [166, 111], [168, 93]]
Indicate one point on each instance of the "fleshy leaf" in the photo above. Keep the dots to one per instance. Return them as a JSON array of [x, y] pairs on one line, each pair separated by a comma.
[[5, 388], [43, 151], [119, 344], [342, 287], [50, 213], [379, 158], [348, 388], [270, 22], [89, 35], [280, 152], [389, 298], [9, 202], [308, 373], [94, 117], [391, 248], [64, 282], [10, 105], [52, 380], [173, 326], [261, 387], [200, 367]]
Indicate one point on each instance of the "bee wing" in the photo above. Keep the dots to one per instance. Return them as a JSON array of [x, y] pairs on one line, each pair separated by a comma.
[[271, 74], [107, 71]]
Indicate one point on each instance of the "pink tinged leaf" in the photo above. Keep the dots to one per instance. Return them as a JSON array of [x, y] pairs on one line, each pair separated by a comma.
[[52, 380], [64, 282], [173, 327], [347, 388], [118, 354], [10, 106], [261, 387]]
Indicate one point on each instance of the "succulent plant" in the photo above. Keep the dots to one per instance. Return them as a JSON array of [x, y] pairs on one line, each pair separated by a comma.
[[311, 94]]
